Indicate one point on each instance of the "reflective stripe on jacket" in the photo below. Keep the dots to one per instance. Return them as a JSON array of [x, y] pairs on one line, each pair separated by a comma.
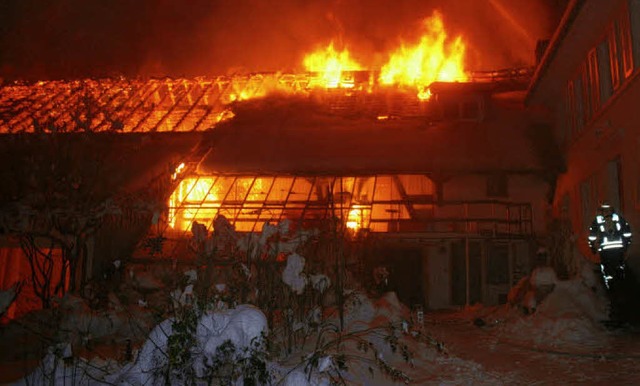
[[618, 236]]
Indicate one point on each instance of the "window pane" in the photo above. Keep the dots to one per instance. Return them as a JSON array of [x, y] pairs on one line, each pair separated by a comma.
[[594, 80], [498, 265], [614, 63], [624, 30], [280, 189], [364, 189]]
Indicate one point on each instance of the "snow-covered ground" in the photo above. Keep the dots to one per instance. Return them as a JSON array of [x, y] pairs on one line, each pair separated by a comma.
[[560, 340], [551, 332]]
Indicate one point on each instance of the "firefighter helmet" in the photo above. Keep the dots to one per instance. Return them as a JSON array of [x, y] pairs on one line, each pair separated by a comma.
[[605, 208]]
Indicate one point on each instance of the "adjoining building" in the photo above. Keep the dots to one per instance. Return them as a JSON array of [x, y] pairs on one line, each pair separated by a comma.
[[587, 87]]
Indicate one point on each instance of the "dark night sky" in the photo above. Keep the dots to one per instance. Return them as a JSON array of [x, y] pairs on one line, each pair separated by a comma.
[[42, 39]]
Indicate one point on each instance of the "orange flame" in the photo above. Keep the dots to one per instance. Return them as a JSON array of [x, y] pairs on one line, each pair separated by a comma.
[[358, 217], [331, 64], [431, 59], [188, 199], [354, 220]]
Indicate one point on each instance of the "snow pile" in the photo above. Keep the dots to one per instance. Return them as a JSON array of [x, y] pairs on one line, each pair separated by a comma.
[[298, 377], [7, 298], [181, 297], [82, 327], [548, 313], [571, 299], [531, 290], [274, 239], [359, 311], [592, 279], [370, 345], [320, 282], [543, 277], [292, 274], [389, 309], [145, 280], [240, 326], [362, 313], [56, 369], [565, 312]]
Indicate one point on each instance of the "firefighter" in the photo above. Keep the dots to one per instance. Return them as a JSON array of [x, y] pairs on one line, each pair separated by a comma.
[[610, 236]]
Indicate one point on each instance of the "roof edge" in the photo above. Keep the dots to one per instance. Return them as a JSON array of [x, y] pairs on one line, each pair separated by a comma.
[[569, 16]]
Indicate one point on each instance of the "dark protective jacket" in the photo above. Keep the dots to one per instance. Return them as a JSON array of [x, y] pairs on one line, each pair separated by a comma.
[[610, 232]]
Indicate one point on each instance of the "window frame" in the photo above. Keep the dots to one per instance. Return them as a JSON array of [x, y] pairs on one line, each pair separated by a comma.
[[623, 24], [571, 110], [498, 185], [614, 60], [586, 94], [594, 81]]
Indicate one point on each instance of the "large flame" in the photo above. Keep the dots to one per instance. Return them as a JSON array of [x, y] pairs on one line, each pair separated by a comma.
[[190, 196], [358, 217], [432, 59], [199, 198], [331, 64]]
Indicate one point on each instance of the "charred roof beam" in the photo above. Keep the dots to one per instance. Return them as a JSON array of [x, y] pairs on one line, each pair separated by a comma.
[[153, 87], [193, 105]]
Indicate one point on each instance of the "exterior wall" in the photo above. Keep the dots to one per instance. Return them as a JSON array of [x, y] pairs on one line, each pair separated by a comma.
[[462, 266], [529, 189], [452, 272], [597, 118], [116, 240], [495, 263], [612, 138], [494, 266]]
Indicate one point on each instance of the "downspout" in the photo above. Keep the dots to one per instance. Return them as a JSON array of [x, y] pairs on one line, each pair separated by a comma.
[[466, 255]]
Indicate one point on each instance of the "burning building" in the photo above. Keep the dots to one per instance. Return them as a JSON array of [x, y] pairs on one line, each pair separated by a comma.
[[444, 178]]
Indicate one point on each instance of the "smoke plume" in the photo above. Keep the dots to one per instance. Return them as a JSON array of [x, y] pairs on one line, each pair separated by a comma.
[[80, 38]]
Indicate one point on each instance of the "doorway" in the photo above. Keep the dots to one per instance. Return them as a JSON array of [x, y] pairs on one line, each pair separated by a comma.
[[465, 291], [406, 275]]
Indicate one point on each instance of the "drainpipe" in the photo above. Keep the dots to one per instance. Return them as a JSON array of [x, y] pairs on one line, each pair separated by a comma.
[[466, 254]]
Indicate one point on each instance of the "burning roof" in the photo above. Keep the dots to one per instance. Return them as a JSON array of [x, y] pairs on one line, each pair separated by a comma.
[[199, 104], [293, 136]]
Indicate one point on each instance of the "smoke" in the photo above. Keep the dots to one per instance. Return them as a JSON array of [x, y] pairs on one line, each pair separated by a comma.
[[79, 38]]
